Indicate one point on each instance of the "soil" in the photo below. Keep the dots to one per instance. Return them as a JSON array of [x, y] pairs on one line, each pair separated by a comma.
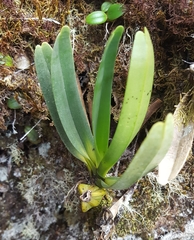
[[38, 176]]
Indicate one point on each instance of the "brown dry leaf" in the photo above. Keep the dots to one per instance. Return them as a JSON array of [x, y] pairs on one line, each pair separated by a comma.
[[181, 145]]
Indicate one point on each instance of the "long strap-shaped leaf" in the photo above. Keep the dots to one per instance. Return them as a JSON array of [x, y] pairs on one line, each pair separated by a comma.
[[149, 155], [102, 93], [136, 100], [67, 98], [43, 67]]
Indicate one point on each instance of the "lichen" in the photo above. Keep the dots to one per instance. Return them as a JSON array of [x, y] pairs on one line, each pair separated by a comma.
[[151, 203]]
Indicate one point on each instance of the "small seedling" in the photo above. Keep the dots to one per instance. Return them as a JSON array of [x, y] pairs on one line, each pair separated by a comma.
[[6, 60], [12, 103], [32, 135], [109, 12]]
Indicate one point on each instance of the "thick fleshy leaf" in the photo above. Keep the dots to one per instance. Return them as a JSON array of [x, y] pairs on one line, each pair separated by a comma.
[[115, 11], [12, 103], [97, 17], [148, 156], [102, 93], [105, 6], [136, 100], [43, 67], [68, 101]]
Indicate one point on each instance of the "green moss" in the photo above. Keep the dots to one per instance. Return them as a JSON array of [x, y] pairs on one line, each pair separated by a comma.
[[149, 203]]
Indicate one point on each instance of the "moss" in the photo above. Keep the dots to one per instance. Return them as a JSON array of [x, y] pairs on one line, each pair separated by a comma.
[[151, 203]]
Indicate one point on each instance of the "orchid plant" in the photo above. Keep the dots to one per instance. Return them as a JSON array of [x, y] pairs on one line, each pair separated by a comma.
[[90, 144]]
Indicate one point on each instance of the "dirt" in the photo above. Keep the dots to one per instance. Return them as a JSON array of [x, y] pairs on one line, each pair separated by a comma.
[[38, 176]]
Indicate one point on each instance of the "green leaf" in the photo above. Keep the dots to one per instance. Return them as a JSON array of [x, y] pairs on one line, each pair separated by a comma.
[[136, 100], [96, 17], [43, 67], [12, 103], [149, 155], [102, 93], [32, 135], [105, 6], [68, 101], [6, 60], [115, 11], [47, 53]]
